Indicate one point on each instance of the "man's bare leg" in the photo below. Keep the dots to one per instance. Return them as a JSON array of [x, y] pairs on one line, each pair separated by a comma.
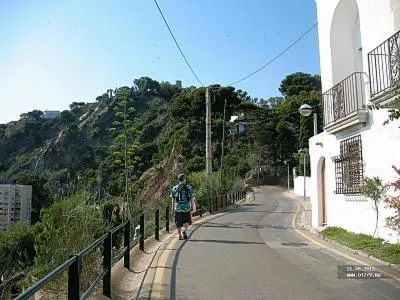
[[186, 226], [180, 231]]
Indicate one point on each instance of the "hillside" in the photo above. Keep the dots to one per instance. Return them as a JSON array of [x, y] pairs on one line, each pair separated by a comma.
[[74, 150], [78, 150]]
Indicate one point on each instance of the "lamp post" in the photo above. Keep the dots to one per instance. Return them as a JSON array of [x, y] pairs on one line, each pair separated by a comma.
[[288, 174], [306, 110], [304, 172]]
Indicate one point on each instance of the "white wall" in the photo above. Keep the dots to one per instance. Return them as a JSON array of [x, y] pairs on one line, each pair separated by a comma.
[[380, 150], [299, 186], [378, 21]]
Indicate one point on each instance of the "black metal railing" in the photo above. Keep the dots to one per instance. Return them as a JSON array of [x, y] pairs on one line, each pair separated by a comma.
[[110, 242], [344, 98], [384, 66]]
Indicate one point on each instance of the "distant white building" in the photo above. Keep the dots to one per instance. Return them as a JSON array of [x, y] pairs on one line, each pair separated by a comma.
[[51, 114], [15, 204], [359, 43], [240, 125]]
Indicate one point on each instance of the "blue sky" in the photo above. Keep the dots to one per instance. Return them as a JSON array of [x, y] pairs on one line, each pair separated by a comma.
[[55, 52]]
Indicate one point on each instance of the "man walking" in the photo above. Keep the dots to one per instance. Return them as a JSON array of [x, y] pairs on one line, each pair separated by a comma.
[[182, 194]]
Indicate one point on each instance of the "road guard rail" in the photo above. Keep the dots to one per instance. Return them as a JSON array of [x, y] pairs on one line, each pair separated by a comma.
[[117, 243]]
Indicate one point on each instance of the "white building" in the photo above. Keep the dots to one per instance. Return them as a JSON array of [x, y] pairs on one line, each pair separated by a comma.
[[15, 204], [359, 44]]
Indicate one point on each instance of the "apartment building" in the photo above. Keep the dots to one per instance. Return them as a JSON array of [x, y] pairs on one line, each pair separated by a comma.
[[15, 204], [359, 43]]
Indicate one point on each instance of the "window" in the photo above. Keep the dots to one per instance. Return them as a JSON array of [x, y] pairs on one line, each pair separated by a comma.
[[349, 167]]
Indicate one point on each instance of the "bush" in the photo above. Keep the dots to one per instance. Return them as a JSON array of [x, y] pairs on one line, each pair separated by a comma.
[[195, 164], [16, 256], [67, 227]]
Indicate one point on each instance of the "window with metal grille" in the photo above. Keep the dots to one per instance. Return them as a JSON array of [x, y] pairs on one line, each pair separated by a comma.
[[349, 171]]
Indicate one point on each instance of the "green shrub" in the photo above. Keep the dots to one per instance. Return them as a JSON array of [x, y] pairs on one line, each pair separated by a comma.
[[67, 227]]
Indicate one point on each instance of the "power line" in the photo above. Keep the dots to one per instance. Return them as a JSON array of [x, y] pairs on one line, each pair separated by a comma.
[[176, 42], [276, 57]]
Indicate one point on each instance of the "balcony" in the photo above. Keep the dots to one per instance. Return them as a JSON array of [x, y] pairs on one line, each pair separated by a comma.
[[344, 104], [384, 68]]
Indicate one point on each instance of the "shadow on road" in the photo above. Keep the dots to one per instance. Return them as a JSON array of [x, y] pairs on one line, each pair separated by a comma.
[[227, 242], [244, 225]]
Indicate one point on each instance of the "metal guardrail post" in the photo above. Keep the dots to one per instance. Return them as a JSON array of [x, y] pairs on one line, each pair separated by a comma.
[[107, 265], [157, 225], [141, 246], [167, 218], [127, 243], [73, 279], [211, 204]]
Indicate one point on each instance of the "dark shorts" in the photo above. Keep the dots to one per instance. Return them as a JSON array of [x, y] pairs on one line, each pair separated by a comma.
[[182, 218]]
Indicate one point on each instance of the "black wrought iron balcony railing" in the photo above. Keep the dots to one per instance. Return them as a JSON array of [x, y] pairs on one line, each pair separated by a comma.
[[384, 66], [345, 98]]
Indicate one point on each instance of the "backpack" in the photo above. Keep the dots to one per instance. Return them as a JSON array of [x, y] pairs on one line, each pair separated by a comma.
[[183, 194]]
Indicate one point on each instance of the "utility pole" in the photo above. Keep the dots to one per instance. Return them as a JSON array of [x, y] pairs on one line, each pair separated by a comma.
[[208, 142], [304, 176], [222, 146], [258, 169]]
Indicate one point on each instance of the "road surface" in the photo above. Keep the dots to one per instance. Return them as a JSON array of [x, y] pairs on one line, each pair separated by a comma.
[[255, 252]]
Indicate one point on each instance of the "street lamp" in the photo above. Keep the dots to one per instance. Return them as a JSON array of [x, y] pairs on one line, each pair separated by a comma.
[[288, 174], [306, 110], [304, 172]]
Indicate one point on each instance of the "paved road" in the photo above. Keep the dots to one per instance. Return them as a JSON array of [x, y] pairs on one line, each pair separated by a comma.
[[253, 252]]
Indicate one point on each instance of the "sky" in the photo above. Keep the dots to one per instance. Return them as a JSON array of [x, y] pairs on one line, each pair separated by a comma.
[[53, 53]]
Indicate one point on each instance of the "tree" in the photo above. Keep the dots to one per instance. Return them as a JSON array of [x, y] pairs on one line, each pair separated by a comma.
[[374, 189], [147, 85], [195, 164], [36, 115], [67, 117], [76, 105], [17, 254], [2, 130], [41, 195], [393, 202], [125, 148], [274, 101], [167, 90], [294, 83]]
